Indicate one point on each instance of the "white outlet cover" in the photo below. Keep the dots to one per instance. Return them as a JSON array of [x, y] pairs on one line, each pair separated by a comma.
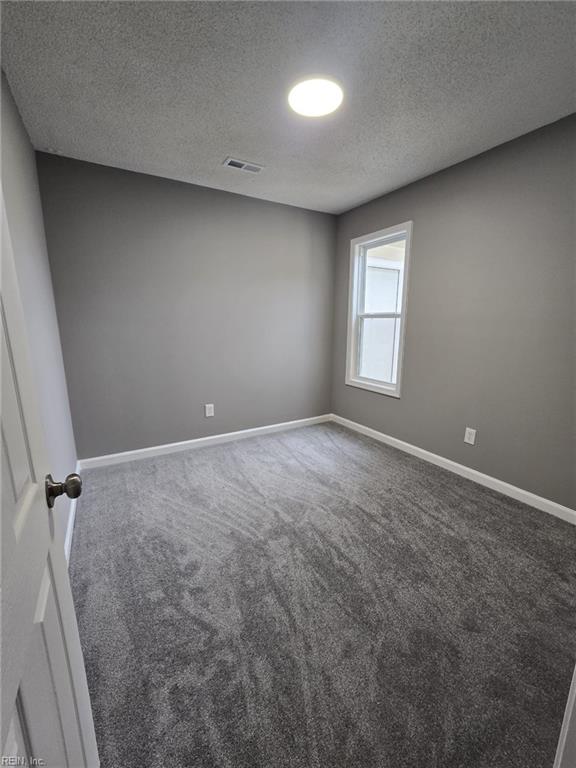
[[470, 436], [209, 409]]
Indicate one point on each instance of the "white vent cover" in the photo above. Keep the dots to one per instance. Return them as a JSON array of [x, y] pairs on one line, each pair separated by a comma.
[[242, 165]]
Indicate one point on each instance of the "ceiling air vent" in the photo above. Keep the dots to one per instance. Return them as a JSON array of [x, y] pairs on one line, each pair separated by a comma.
[[242, 165]]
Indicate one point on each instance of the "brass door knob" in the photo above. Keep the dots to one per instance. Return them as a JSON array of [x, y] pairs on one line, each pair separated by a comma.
[[72, 487]]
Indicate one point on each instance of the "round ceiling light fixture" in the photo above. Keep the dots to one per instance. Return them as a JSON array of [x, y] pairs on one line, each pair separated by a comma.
[[315, 97]]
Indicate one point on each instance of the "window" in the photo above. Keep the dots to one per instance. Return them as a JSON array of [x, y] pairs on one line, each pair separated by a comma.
[[377, 310]]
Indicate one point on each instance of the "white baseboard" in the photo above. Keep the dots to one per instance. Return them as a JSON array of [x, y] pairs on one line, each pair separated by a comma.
[[70, 526], [545, 505], [199, 442], [70, 530]]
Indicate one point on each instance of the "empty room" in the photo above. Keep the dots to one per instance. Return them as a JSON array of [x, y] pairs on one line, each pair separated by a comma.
[[288, 384]]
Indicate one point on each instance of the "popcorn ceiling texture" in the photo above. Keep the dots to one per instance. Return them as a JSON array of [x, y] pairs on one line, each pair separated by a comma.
[[314, 599], [173, 88]]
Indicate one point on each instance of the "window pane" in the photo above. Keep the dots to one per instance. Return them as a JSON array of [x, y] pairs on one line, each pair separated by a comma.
[[384, 275], [381, 289], [379, 344]]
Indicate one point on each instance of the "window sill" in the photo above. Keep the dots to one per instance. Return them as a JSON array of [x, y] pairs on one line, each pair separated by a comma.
[[373, 386]]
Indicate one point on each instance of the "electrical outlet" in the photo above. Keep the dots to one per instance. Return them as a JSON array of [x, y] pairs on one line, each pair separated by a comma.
[[470, 436], [209, 409]]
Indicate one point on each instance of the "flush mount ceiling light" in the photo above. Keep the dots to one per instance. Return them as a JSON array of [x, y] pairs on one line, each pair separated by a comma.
[[315, 97]]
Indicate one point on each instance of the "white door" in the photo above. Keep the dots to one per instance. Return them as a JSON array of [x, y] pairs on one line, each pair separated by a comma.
[[46, 714], [566, 752]]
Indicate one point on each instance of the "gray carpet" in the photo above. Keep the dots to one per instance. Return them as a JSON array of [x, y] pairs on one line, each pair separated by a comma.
[[313, 599]]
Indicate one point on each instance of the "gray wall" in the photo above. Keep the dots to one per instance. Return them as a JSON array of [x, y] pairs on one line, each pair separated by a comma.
[[24, 212], [170, 296], [490, 335]]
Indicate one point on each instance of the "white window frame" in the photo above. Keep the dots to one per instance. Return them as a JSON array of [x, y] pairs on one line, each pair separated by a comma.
[[358, 247]]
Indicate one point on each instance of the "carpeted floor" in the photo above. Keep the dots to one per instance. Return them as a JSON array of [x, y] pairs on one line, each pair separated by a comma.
[[313, 599]]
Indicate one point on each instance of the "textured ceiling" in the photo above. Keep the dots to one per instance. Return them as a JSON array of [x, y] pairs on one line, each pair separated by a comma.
[[173, 88]]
